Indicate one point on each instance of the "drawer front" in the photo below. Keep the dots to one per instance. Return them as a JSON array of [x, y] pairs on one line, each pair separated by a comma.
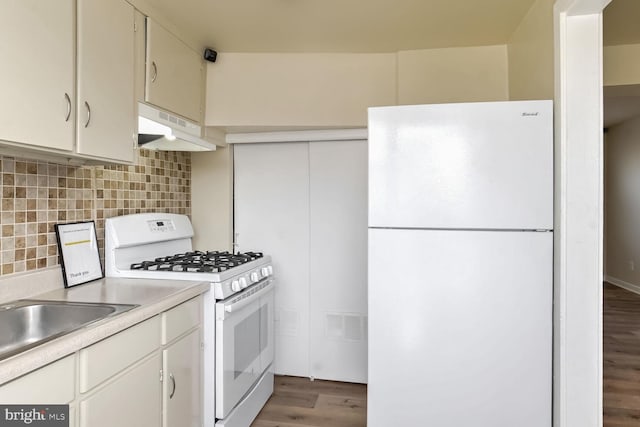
[[180, 319], [51, 384], [110, 356]]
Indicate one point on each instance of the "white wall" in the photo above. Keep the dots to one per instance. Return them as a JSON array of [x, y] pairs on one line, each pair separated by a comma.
[[465, 74], [211, 195], [622, 189], [308, 90], [621, 65], [530, 50], [313, 91], [248, 91]]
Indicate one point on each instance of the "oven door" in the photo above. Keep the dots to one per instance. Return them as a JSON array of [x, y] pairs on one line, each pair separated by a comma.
[[244, 343]]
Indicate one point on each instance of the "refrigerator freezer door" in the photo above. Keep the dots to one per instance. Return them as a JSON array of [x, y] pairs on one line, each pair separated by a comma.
[[475, 165], [460, 328]]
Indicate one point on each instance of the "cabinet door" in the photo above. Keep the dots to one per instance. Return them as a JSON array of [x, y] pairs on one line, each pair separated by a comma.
[[106, 98], [133, 399], [175, 78], [36, 75], [182, 396], [140, 55]]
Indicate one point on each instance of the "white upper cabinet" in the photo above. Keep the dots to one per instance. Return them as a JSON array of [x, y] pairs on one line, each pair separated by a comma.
[[37, 73], [106, 108], [67, 79], [139, 56], [174, 74]]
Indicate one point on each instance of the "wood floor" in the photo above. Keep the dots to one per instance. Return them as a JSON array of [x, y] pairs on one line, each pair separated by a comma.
[[621, 348], [299, 402]]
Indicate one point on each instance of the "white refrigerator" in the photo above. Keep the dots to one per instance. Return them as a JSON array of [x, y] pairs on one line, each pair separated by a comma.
[[460, 265]]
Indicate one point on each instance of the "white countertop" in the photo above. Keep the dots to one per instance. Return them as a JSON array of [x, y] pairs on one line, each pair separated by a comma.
[[152, 296]]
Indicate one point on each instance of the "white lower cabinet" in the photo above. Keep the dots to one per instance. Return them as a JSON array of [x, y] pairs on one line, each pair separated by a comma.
[[73, 419], [106, 358], [120, 379], [181, 395], [51, 384], [132, 399], [149, 375]]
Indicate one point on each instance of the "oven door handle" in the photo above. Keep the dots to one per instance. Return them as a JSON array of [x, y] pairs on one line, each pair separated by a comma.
[[247, 298]]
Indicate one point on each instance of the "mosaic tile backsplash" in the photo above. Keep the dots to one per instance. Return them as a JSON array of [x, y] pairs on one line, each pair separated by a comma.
[[36, 195]]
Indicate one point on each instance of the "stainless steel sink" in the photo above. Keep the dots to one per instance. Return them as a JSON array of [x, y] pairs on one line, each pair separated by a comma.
[[27, 323]]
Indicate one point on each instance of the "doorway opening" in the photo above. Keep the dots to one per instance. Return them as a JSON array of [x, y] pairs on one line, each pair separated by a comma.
[[621, 242]]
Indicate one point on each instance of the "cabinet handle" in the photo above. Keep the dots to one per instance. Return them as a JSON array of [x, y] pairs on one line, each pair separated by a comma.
[[86, 104], [154, 74], [66, 96], [173, 381]]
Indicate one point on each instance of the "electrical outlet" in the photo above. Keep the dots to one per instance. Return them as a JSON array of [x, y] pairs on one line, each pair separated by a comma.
[[632, 265]]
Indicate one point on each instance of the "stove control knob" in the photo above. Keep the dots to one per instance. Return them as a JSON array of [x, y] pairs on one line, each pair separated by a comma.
[[235, 286], [254, 277], [243, 282], [264, 272]]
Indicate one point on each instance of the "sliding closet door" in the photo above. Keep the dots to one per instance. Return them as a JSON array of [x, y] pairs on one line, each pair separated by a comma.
[[305, 204], [271, 193], [338, 261]]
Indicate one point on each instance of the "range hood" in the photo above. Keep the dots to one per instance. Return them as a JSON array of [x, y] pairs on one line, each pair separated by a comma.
[[159, 130]]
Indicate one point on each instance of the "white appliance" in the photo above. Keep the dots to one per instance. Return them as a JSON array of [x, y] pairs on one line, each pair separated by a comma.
[[238, 310], [460, 265], [160, 130]]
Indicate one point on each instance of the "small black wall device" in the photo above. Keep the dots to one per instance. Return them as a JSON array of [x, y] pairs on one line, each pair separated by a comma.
[[210, 55]]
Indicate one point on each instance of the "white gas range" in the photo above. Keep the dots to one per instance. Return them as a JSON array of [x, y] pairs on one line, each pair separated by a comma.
[[238, 310]]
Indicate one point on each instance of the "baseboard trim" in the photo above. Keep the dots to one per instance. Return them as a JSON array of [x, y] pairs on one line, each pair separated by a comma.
[[621, 283]]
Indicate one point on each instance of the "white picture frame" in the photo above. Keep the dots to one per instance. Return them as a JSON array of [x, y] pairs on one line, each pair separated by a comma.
[[79, 254]]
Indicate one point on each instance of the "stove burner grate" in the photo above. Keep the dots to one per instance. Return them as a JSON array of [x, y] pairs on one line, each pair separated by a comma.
[[198, 262]]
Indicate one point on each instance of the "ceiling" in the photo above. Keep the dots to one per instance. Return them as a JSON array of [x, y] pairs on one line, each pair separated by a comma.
[[343, 25]]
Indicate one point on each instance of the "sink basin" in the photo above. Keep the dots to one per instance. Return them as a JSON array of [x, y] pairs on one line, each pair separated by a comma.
[[27, 323]]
